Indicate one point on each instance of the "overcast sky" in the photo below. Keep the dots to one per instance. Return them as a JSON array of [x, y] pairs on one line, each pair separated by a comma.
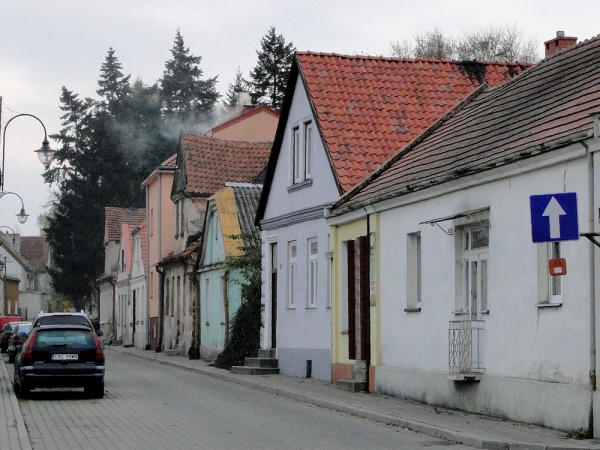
[[45, 45]]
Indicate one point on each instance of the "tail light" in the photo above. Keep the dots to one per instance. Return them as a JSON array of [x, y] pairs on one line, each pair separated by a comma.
[[29, 348], [99, 351]]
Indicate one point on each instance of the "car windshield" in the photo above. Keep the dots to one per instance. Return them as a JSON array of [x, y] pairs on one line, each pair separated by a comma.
[[63, 320], [64, 338], [13, 325], [24, 328]]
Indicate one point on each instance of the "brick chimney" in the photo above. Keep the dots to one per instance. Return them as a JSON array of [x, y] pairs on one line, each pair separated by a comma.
[[558, 43]]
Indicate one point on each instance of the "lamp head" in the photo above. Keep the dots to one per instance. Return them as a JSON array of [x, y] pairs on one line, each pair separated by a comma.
[[22, 216], [45, 153]]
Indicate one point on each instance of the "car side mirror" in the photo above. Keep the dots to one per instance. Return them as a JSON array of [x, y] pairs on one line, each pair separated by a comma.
[[99, 333]]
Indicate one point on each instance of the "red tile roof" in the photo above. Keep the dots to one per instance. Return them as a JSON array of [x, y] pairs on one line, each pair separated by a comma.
[[171, 161], [115, 217], [367, 108], [550, 103], [210, 162], [35, 250]]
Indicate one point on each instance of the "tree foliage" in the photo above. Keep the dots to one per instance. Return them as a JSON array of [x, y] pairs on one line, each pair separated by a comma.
[[492, 43], [270, 75], [185, 95], [109, 146], [238, 86], [244, 332]]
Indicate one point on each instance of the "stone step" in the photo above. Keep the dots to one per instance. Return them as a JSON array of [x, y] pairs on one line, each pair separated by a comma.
[[245, 370], [261, 362], [266, 353], [352, 386]]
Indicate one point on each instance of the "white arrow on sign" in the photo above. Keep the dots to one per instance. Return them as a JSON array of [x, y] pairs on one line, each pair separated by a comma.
[[553, 211]]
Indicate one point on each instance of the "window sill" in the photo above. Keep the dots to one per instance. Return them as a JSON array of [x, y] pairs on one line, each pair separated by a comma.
[[293, 308], [548, 305], [461, 313], [223, 323], [345, 332], [412, 310], [311, 307], [301, 185], [207, 324]]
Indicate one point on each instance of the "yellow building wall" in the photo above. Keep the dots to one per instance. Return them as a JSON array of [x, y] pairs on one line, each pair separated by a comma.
[[339, 338]]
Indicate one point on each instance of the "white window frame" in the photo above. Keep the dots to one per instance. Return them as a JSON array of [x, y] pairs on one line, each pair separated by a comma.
[[307, 146], [475, 258], [292, 275], [302, 135], [414, 275], [312, 272]]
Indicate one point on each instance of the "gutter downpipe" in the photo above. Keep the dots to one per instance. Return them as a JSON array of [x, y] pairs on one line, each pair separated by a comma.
[[592, 287], [368, 356]]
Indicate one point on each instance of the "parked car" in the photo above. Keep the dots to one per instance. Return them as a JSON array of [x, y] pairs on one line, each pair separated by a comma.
[[16, 340], [7, 331], [65, 319], [60, 356], [6, 319]]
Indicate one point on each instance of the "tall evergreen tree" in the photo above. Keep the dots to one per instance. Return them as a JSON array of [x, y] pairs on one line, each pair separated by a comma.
[[239, 85], [185, 95], [270, 75], [114, 86]]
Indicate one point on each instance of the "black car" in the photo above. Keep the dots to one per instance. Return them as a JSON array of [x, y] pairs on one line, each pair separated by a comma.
[[60, 356], [65, 319], [16, 340], [7, 331]]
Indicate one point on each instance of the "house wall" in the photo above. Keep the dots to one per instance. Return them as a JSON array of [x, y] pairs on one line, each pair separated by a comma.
[[160, 229], [342, 365], [106, 299], [33, 302], [139, 337], [259, 127], [178, 313], [536, 359], [296, 214]]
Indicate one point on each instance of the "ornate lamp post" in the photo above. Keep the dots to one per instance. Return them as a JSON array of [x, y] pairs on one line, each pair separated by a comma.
[[13, 233], [45, 153], [22, 216]]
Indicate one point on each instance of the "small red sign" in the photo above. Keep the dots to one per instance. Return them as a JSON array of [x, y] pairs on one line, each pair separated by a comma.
[[558, 267]]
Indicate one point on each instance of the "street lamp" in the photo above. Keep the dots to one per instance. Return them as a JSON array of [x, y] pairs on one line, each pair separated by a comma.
[[45, 153], [14, 241], [22, 216]]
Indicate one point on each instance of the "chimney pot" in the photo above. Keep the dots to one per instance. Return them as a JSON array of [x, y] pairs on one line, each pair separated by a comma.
[[560, 34]]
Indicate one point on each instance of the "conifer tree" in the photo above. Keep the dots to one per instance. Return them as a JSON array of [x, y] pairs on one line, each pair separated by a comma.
[[185, 95], [270, 75], [114, 86], [239, 85]]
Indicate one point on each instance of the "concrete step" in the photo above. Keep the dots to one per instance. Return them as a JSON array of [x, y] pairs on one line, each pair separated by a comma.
[[266, 353], [261, 362], [245, 370], [352, 385]]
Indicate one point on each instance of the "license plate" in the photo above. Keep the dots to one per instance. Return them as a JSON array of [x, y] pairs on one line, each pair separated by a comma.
[[64, 357]]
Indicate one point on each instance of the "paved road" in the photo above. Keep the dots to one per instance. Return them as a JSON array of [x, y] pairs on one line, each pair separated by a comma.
[[153, 406]]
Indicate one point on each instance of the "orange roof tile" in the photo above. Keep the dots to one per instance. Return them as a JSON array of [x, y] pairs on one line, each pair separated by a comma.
[[367, 108], [210, 162]]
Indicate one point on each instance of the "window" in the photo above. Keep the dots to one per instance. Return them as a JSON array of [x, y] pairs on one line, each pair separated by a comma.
[[206, 300], [313, 270], [308, 134], [151, 224], [167, 297], [176, 219], [475, 243], [181, 218], [302, 140], [413, 272], [292, 273], [549, 287]]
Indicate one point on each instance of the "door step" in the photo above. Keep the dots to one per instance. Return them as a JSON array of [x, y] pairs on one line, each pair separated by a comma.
[[265, 364], [352, 385]]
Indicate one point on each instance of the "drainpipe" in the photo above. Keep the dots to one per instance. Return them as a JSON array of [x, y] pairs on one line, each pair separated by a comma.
[[226, 306], [592, 274], [368, 355], [161, 306]]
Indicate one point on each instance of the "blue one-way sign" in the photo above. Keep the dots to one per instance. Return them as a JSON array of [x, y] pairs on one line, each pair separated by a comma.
[[554, 217]]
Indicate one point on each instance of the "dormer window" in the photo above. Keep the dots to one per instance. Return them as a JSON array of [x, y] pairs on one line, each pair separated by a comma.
[[302, 139]]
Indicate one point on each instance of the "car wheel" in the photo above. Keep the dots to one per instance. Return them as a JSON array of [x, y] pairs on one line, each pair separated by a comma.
[[96, 391], [11, 358], [3, 349], [16, 386], [24, 389]]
